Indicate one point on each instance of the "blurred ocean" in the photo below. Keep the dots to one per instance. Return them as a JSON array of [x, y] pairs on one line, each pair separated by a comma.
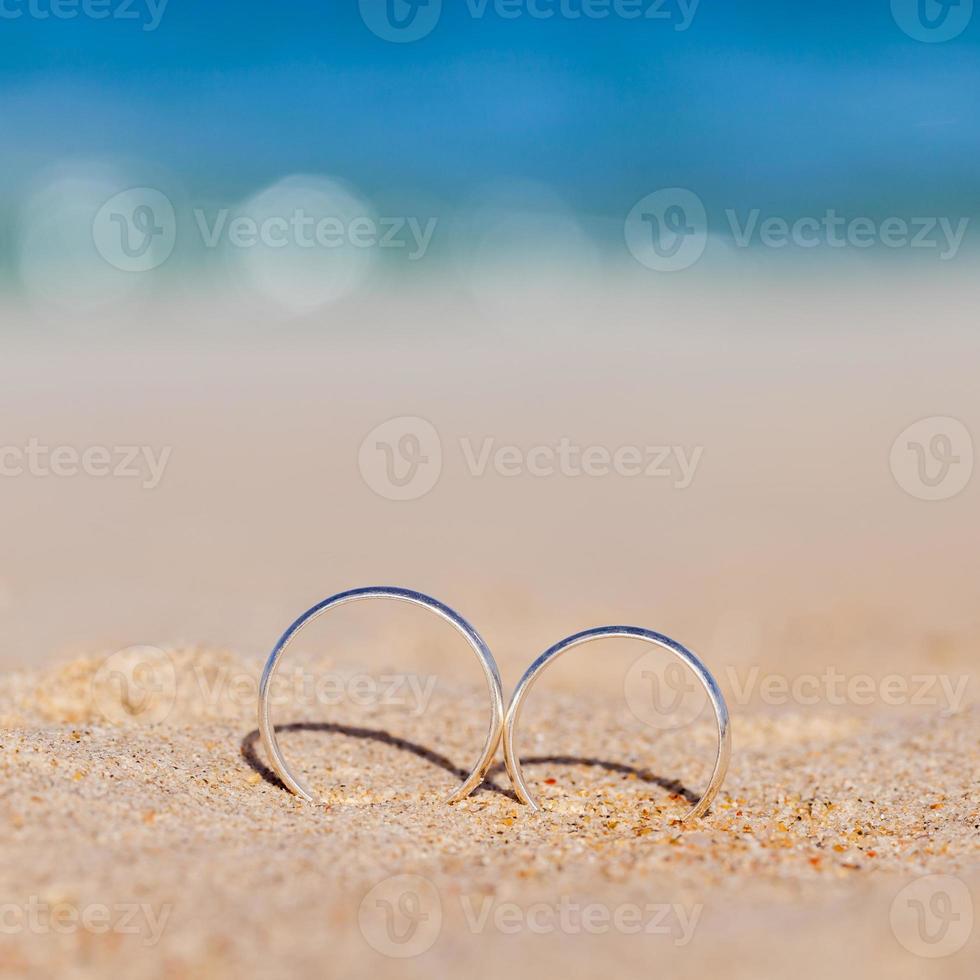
[[296, 159]]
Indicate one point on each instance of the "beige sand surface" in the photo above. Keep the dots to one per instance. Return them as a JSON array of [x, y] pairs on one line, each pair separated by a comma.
[[823, 820], [795, 551], [793, 536]]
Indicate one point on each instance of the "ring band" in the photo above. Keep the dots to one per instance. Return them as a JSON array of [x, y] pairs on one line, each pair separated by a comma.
[[512, 719], [267, 729]]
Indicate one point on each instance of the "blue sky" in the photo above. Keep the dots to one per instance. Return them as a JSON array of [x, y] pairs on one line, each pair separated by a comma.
[[797, 106]]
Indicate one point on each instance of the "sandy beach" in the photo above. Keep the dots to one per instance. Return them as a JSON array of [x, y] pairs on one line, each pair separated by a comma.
[[207, 868], [836, 606]]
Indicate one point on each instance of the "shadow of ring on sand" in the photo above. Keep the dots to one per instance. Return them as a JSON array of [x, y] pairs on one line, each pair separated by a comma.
[[250, 754], [644, 775]]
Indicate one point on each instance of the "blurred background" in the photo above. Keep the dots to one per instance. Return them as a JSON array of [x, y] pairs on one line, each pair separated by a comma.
[[657, 311]]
